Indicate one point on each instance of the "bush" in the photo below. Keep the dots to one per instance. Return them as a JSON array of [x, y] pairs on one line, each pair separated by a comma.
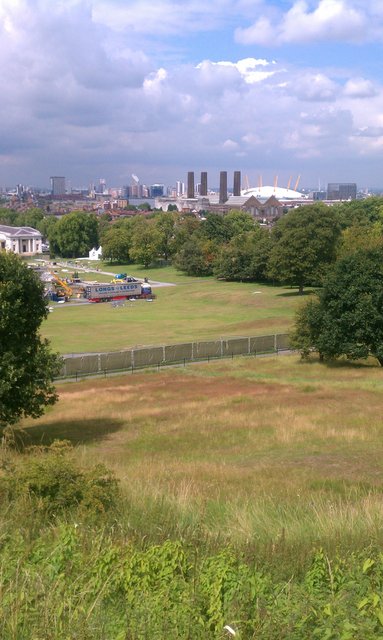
[[51, 481]]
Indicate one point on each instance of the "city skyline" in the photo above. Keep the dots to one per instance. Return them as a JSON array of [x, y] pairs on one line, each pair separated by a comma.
[[106, 89]]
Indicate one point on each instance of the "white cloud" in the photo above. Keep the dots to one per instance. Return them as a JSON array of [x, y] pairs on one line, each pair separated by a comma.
[[230, 145], [251, 70], [84, 95], [359, 88], [315, 87], [168, 17], [330, 20]]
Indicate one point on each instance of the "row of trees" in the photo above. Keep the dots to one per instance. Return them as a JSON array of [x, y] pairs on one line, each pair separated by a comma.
[[298, 250]]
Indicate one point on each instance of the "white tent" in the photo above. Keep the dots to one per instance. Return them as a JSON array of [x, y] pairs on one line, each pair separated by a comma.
[[95, 254]]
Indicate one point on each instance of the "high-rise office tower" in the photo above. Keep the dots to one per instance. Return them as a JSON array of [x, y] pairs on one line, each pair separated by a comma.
[[57, 185], [341, 191]]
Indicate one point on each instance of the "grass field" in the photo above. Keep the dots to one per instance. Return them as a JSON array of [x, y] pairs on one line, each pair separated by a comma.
[[269, 452], [193, 309], [250, 489]]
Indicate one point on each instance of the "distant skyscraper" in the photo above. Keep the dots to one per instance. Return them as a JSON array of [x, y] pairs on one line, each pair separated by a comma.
[[157, 190], [180, 187], [190, 192], [341, 191], [57, 185]]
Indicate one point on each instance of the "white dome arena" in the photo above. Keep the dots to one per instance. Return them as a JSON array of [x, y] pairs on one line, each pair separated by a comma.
[[264, 193]]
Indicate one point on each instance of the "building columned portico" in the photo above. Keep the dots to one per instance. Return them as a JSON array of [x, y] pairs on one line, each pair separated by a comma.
[[21, 240]]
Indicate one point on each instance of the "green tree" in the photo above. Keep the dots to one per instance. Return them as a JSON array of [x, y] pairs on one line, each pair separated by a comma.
[[31, 218], [8, 217], [76, 233], [116, 244], [145, 243], [48, 227], [359, 212], [245, 257], [305, 242], [104, 224], [27, 366], [214, 227], [238, 222], [185, 226], [361, 237], [165, 225], [196, 256], [346, 318]]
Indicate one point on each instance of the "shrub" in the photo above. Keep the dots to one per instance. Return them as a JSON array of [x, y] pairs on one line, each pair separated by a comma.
[[51, 481]]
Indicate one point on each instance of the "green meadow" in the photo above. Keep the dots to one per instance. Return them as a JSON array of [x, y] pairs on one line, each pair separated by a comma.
[[243, 492], [188, 309]]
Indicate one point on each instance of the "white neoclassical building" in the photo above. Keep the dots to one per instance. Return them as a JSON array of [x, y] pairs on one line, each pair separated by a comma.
[[22, 240]]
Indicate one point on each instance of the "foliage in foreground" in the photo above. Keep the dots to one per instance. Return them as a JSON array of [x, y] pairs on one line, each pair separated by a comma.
[[27, 365], [65, 574], [77, 581]]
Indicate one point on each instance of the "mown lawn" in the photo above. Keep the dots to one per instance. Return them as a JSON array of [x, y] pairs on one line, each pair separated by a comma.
[[192, 309]]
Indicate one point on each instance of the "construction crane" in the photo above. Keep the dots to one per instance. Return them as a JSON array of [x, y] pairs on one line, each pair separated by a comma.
[[68, 292]]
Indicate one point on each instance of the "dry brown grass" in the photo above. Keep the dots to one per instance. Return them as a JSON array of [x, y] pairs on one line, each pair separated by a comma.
[[271, 443]]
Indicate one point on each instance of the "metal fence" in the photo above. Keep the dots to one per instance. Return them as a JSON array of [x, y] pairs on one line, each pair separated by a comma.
[[81, 365]]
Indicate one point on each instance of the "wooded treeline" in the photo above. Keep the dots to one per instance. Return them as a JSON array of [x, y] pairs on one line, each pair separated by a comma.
[[297, 249]]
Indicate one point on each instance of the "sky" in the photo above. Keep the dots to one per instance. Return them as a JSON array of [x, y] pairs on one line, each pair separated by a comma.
[[276, 89]]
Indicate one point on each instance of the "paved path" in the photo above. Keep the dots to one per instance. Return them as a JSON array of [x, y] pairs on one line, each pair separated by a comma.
[[79, 267]]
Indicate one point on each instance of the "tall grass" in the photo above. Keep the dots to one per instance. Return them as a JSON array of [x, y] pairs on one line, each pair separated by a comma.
[[250, 452], [250, 494]]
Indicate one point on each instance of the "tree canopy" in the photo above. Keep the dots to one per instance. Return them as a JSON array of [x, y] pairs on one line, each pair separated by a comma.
[[27, 366], [74, 234], [245, 257], [346, 316], [116, 244], [305, 242]]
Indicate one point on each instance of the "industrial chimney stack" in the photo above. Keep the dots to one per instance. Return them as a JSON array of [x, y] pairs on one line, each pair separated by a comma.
[[237, 183], [222, 187], [203, 191]]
